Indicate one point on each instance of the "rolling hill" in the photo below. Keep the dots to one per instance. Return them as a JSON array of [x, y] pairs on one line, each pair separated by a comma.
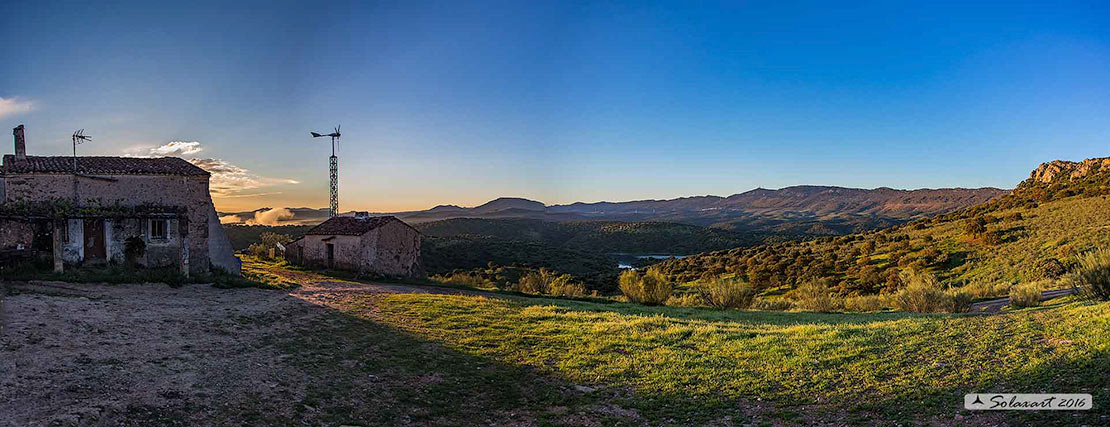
[[797, 211]]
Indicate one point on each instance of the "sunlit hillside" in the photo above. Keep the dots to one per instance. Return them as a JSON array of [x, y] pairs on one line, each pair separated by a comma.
[[1031, 235]]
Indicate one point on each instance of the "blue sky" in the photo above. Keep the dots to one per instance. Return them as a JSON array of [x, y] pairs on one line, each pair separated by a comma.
[[460, 102]]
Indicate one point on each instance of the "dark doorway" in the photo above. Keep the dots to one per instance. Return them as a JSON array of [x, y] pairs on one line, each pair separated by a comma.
[[95, 251], [331, 255]]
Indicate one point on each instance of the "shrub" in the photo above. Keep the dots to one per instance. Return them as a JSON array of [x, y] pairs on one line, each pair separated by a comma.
[[1093, 274], [959, 301], [864, 303], [987, 289], [547, 282], [1051, 268], [726, 293], [565, 288], [975, 226], [649, 287], [1025, 295], [133, 249], [463, 278], [268, 247], [684, 300], [924, 294], [993, 237], [813, 296], [777, 304]]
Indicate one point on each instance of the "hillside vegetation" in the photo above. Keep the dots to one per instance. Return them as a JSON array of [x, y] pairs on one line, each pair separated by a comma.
[[593, 236], [242, 236], [583, 249], [1033, 234]]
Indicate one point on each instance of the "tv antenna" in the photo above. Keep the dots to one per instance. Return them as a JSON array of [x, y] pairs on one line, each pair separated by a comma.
[[78, 138], [334, 161]]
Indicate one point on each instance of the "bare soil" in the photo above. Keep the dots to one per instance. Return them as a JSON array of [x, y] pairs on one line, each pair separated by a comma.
[[79, 354]]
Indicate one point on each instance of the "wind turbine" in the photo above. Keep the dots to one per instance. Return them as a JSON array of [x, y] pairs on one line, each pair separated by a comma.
[[334, 170]]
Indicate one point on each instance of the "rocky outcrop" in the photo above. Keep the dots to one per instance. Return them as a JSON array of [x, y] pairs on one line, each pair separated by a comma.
[[1052, 172]]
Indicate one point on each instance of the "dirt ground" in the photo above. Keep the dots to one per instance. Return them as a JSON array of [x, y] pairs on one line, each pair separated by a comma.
[[75, 354]]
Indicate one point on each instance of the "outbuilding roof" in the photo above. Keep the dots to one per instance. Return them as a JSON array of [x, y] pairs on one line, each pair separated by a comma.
[[103, 165], [351, 226]]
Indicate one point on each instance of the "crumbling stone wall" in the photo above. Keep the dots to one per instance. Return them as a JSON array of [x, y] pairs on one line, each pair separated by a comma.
[[190, 192], [392, 249], [15, 233], [347, 254], [156, 252]]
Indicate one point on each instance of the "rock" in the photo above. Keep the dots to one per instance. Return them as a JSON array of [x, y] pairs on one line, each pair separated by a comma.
[[1049, 172]]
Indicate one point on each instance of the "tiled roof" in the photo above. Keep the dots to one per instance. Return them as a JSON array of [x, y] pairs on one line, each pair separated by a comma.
[[350, 226], [103, 165]]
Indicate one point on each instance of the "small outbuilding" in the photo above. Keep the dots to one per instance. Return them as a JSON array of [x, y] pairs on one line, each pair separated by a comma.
[[82, 211], [381, 245]]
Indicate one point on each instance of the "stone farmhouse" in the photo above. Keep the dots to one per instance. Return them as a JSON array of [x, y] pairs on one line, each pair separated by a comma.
[[146, 212], [381, 245]]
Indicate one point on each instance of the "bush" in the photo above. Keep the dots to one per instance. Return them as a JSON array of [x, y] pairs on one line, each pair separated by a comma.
[[777, 304], [268, 247], [993, 238], [465, 278], [975, 226], [924, 294], [684, 300], [1025, 295], [1093, 274], [813, 296], [133, 249], [959, 301], [987, 289], [864, 303], [547, 282], [726, 293], [649, 287], [1051, 268]]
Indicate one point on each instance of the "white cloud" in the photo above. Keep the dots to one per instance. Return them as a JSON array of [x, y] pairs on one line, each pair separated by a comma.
[[228, 180], [13, 106], [231, 219], [270, 216], [177, 148]]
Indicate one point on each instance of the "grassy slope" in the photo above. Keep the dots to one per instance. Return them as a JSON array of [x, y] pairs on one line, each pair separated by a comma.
[[1059, 229], [1053, 230], [519, 355]]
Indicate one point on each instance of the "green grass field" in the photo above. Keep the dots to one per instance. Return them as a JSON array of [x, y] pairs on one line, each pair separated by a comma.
[[664, 365]]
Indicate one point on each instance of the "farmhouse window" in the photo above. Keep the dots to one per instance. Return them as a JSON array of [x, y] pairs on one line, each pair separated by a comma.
[[158, 228]]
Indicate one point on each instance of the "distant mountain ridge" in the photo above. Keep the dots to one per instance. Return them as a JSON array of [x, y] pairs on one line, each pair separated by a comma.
[[805, 209]]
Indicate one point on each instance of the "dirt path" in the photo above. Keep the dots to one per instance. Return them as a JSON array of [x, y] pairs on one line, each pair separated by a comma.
[[995, 306], [78, 354]]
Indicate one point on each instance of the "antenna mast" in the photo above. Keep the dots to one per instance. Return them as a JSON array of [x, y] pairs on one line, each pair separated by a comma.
[[78, 137], [334, 170]]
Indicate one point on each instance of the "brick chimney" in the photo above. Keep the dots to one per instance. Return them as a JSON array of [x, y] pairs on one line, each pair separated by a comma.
[[20, 143]]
